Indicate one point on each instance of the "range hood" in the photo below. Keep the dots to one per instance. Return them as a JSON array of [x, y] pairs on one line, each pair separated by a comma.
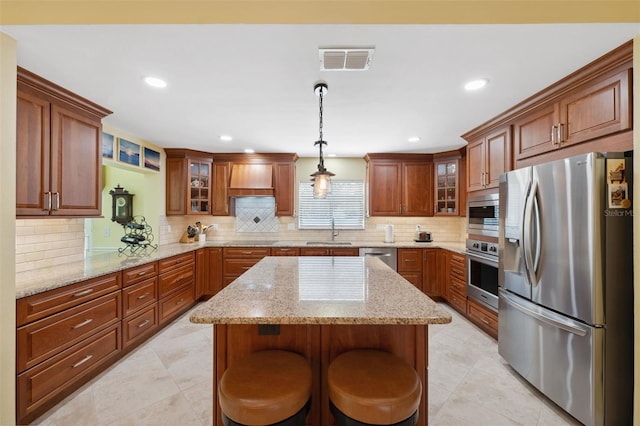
[[251, 180]]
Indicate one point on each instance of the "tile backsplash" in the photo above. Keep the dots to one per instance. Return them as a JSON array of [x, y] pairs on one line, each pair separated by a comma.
[[256, 214], [42, 243]]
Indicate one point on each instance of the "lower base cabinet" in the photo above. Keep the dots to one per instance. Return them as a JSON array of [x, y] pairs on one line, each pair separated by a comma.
[[484, 317]]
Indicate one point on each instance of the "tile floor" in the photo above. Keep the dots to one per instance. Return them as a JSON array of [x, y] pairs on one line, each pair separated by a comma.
[[167, 381]]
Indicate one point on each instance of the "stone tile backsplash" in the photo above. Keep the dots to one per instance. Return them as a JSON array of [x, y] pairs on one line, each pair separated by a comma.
[[256, 214]]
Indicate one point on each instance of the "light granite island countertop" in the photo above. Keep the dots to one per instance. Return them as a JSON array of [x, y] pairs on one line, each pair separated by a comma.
[[320, 307]]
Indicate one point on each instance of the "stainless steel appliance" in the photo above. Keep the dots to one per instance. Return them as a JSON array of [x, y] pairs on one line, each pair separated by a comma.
[[566, 283], [388, 255], [482, 272], [482, 215]]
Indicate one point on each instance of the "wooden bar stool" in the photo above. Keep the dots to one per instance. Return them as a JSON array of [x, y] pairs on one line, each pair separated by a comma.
[[372, 387], [266, 388]]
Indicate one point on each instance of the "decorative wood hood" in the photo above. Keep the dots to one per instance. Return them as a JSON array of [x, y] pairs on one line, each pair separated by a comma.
[[251, 180]]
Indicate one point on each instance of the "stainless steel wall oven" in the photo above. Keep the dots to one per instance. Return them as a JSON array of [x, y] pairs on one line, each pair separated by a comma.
[[482, 272]]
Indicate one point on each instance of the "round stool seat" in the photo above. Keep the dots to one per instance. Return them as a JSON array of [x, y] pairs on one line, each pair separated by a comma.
[[265, 387], [374, 387]]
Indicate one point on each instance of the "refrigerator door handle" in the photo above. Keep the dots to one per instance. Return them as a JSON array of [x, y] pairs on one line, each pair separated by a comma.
[[555, 321], [527, 234], [538, 231]]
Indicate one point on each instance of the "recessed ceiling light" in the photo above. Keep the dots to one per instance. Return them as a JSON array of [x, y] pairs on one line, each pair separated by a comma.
[[413, 139], [249, 151], [155, 82], [476, 84], [226, 138]]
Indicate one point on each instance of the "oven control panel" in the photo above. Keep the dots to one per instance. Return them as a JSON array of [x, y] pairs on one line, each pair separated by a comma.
[[483, 247]]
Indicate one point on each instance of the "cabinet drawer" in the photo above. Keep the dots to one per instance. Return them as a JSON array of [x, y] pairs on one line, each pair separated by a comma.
[[237, 267], [40, 305], [315, 251], [171, 281], [458, 285], [458, 301], [409, 260], [458, 260], [139, 295], [44, 338], [171, 263], [40, 384], [483, 316], [179, 302], [344, 251], [139, 325], [285, 251], [139, 273], [242, 252]]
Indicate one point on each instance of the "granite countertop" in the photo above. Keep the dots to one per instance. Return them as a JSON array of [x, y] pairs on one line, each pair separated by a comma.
[[96, 264], [320, 290]]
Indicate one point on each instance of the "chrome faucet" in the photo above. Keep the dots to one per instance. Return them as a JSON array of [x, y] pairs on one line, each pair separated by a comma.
[[334, 234]]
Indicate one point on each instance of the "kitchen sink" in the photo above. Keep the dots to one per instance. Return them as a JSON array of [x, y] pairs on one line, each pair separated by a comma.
[[328, 243]]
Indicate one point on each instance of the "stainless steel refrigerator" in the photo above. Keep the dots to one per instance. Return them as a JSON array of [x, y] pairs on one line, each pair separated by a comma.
[[566, 283]]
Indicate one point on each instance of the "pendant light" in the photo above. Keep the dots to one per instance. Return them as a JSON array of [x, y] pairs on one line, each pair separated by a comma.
[[322, 178]]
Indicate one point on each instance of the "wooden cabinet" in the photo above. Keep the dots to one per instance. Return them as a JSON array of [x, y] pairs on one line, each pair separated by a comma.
[[593, 110], [214, 276], [220, 195], [285, 251], [403, 184], [431, 273], [176, 285], [237, 260], [488, 157], [139, 304], [484, 317], [456, 287], [284, 180], [58, 150], [329, 251], [64, 336], [448, 197], [410, 265], [188, 182]]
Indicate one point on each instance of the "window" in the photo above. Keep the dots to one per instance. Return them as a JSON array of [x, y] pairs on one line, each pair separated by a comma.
[[344, 205]]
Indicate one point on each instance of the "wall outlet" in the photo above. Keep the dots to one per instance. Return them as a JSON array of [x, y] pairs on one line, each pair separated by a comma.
[[106, 232]]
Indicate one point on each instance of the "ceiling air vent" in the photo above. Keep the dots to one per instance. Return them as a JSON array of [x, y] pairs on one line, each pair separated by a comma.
[[345, 59]]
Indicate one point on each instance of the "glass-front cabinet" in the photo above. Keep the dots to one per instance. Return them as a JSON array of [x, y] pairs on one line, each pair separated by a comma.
[[446, 188], [199, 187]]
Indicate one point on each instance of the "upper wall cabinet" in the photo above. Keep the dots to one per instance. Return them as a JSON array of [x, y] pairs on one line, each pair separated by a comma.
[[58, 150], [593, 110], [189, 182], [488, 156], [449, 198], [400, 184]]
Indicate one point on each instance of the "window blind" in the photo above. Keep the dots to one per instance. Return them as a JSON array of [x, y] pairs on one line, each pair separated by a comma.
[[344, 205]]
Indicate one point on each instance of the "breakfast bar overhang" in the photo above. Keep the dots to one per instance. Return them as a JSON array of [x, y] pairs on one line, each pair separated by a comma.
[[320, 307]]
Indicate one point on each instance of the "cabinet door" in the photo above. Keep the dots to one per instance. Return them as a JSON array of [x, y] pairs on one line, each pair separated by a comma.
[[475, 165], [417, 189], [202, 271], [498, 156], [596, 109], [176, 176], [430, 278], [199, 187], [284, 188], [385, 183], [446, 188], [76, 163], [220, 195], [32, 155], [533, 132], [214, 277]]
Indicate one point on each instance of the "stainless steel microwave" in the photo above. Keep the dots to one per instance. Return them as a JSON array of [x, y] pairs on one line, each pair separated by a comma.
[[482, 215]]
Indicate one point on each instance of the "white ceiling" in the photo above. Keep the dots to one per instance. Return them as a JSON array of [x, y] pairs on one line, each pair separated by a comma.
[[255, 82]]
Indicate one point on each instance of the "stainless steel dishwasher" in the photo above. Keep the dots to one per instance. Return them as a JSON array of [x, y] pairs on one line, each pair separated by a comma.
[[388, 255]]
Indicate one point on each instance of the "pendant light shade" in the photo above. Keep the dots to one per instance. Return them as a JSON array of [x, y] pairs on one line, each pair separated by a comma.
[[321, 178]]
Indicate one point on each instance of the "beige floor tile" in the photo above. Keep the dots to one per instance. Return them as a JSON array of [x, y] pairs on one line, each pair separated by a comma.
[[77, 409], [171, 411]]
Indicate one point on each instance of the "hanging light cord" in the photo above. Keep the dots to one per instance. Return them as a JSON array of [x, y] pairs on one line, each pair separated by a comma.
[[320, 141]]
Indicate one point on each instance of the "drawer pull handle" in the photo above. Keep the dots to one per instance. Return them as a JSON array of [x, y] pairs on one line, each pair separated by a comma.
[[246, 267], [247, 252], [180, 301], [83, 292], [142, 296], [83, 323], [143, 323], [82, 361], [142, 273], [484, 320]]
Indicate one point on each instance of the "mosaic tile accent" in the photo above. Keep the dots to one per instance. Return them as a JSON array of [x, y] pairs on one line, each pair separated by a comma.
[[256, 214]]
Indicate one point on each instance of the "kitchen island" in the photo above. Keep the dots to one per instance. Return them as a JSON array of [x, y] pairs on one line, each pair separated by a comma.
[[320, 307]]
